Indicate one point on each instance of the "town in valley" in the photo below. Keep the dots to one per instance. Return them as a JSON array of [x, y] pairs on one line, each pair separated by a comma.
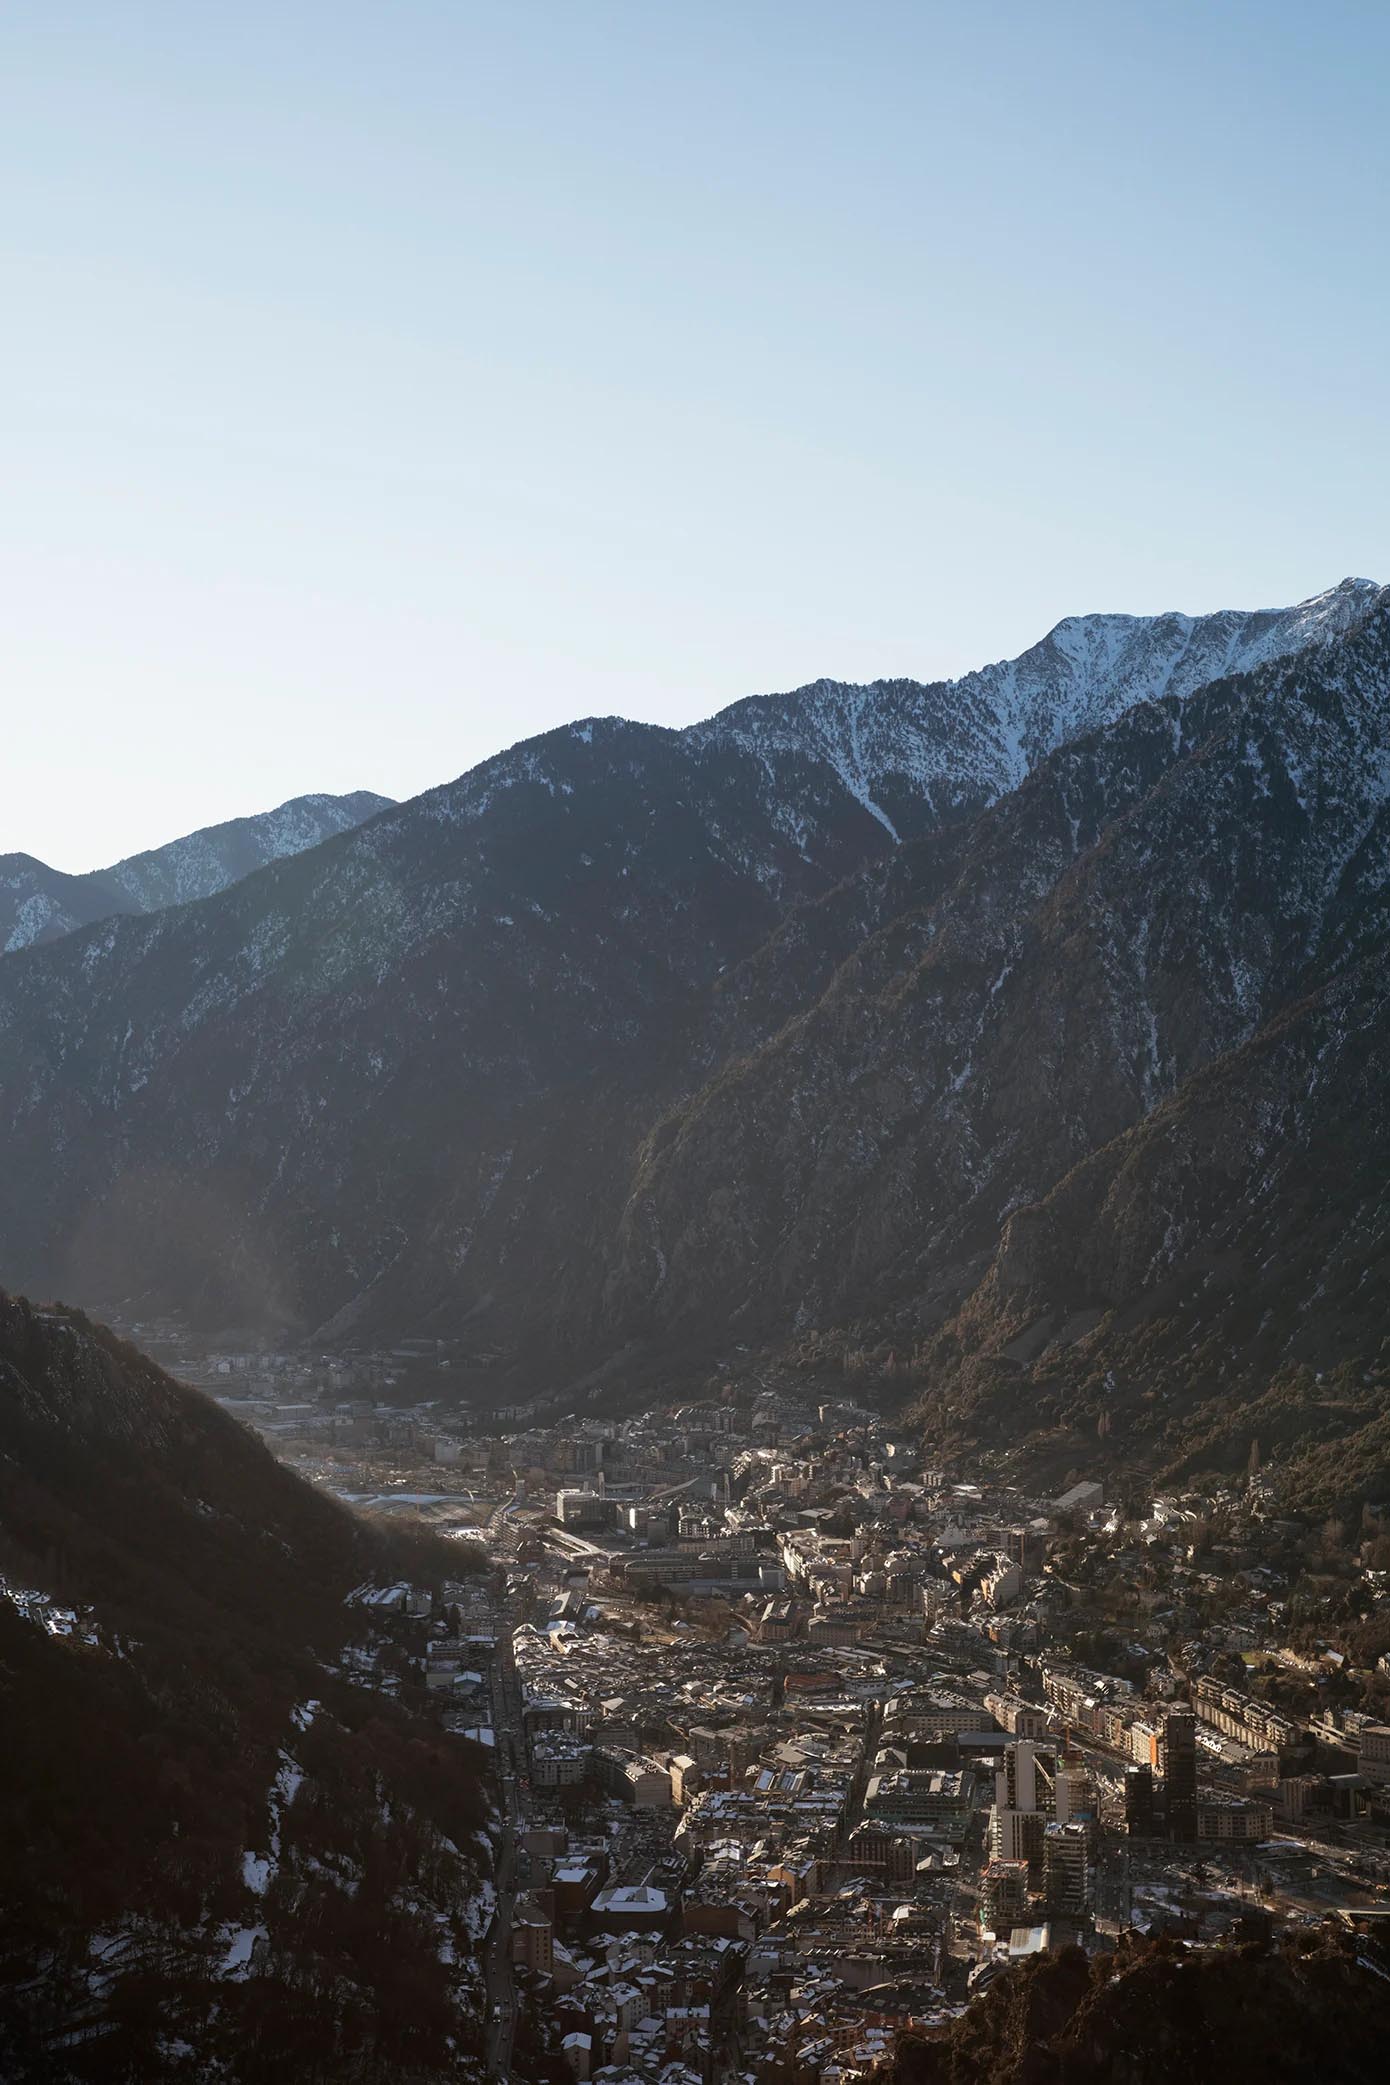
[[795, 1740]]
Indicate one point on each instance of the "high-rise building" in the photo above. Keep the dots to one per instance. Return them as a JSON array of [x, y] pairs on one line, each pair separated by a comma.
[[1016, 1783], [1073, 1797], [1015, 1822], [1067, 1868], [1021, 1546], [1004, 1897], [1016, 1835], [1139, 1802], [1180, 1773]]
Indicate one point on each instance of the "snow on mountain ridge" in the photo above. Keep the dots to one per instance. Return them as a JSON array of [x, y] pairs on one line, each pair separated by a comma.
[[361, 1044], [981, 734], [907, 752], [200, 863], [38, 903], [1147, 902]]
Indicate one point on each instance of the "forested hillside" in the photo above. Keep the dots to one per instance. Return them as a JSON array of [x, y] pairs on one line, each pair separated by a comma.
[[232, 1843]]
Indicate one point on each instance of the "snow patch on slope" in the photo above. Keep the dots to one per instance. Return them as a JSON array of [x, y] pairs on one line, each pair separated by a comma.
[[979, 736]]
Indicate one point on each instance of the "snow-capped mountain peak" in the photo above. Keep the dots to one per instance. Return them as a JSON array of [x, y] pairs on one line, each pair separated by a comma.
[[895, 741], [42, 904]]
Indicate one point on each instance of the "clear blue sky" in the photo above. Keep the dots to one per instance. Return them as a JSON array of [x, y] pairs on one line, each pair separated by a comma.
[[385, 382]]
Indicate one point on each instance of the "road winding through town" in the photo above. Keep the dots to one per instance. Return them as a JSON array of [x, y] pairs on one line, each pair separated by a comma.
[[498, 1982]]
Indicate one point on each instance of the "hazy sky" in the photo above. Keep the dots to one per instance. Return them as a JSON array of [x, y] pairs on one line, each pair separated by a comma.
[[381, 383]]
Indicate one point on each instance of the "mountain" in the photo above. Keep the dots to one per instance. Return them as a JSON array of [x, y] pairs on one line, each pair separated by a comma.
[[315, 1093], [1209, 1280], [913, 754], [1024, 991], [230, 1844], [1099, 1089], [41, 904], [1318, 2007], [634, 1043]]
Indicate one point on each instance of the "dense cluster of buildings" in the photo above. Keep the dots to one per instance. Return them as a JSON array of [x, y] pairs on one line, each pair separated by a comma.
[[813, 1740], [807, 1740]]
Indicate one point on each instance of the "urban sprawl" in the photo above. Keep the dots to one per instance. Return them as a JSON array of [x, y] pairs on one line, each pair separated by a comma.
[[796, 1742]]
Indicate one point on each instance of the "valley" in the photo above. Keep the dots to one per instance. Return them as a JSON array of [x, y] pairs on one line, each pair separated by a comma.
[[745, 1423], [804, 1032], [698, 1391]]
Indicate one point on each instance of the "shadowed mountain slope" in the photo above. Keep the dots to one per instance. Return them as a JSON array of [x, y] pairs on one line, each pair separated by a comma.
[[1154, 2012], [228, 1842], [1140, 906], [638, 1041]]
